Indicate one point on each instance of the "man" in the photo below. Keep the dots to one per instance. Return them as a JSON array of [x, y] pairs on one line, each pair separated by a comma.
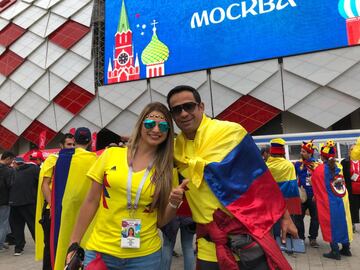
[[228, 178], [6, 176], [23, 199], [265, 152], [332, 203], [69, 189], [284, 174], [304, 170], [42, 232]]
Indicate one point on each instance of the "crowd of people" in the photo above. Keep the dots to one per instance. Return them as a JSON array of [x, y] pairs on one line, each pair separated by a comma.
[[210, 182], [324, 188]]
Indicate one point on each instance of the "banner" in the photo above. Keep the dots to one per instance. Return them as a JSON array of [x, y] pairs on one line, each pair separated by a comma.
[[145, 39], [42, 140], [93, 141]]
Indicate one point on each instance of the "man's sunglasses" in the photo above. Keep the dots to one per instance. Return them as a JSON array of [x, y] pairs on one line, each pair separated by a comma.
[[188, 107], [163, 126]]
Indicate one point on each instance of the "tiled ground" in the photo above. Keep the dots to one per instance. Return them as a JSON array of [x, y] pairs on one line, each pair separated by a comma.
[[312, 260]]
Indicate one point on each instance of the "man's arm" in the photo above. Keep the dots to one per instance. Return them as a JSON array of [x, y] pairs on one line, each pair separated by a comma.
[[45, 188], [288, 227], [10, 178]]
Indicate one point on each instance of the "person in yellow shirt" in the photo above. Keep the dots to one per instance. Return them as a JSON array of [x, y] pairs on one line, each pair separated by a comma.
[[131, 196], [230, 189], [70, 186], [42, 228]]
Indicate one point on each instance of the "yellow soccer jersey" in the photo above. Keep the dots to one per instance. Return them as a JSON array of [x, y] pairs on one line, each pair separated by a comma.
[[46, 171], [111, 171]]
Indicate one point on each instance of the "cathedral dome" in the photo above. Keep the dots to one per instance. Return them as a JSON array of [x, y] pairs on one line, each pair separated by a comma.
[[155, 52]]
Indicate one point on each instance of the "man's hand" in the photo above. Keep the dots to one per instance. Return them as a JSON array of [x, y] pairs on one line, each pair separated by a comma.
[[288, 227], [177, 194]]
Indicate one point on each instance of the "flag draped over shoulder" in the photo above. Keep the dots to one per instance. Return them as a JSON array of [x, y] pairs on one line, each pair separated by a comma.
[[70, 187], [39, 232], [333, 210], [284, 174], [231, 164]]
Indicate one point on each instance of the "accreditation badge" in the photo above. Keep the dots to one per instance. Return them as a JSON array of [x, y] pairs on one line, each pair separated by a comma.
[[130, 233]]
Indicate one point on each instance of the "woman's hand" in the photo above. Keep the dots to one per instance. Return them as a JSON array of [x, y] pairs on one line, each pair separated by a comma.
[[69, 256], [71, 252], [177, 194]]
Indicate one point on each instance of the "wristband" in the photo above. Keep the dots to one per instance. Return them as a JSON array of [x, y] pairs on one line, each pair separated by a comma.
[[73, 247], [175, 206]]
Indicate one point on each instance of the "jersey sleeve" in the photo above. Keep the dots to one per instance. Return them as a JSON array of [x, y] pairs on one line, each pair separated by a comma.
[[97, 170]]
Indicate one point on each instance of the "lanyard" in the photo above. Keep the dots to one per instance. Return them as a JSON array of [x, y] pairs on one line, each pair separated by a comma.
[[134, 206]]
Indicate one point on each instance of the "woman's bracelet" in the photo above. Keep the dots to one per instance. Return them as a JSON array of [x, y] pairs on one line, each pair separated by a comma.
[[175, 206]]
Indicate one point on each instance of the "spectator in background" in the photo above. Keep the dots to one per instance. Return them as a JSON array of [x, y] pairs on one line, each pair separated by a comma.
[[284, 174], [332, 203], [42, 220], [304, 170], [70, 186], [6, 177], [351, 169], [265, 152], [23, 198]]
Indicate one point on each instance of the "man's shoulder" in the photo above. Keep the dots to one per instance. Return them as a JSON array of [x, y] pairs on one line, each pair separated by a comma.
[[225, 124], [288, 163], [4, 168], [298, 163], [84, 153], [51, 160]]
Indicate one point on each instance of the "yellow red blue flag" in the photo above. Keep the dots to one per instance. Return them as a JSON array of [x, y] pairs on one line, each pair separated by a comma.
[[70, 187], [284, 174], [230, 163], [333, 207]]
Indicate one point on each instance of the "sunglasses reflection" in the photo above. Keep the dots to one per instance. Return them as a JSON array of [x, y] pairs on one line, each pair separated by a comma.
[[163, 125]]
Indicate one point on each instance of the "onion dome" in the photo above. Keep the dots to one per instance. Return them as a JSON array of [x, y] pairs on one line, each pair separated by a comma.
[[155, 52], [349, 8]]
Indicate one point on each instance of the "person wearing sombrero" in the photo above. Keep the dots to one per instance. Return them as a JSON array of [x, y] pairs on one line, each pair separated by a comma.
[[332, 202]]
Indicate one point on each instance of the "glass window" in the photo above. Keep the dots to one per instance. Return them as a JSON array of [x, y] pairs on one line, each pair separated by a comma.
[[344, 148], [294, 152]]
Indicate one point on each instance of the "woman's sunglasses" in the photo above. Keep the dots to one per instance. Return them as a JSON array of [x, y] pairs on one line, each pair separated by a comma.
[[188, 107], [163, 126]]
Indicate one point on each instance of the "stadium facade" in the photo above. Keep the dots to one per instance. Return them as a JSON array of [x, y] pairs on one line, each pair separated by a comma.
[[51, 79]]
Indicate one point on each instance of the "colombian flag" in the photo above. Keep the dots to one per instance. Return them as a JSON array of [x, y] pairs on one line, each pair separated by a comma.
[[284, 174], [333, 210], [230, 162], [69, 189]]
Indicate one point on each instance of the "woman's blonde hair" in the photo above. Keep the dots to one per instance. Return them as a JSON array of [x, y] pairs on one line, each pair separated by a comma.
[[163, 162]]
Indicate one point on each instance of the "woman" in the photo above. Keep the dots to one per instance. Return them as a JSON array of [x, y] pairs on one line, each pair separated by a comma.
[[332, 203], [131, 188], [352, 179]]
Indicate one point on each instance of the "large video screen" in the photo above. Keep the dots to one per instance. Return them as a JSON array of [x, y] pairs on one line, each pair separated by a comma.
[[151, 38]]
